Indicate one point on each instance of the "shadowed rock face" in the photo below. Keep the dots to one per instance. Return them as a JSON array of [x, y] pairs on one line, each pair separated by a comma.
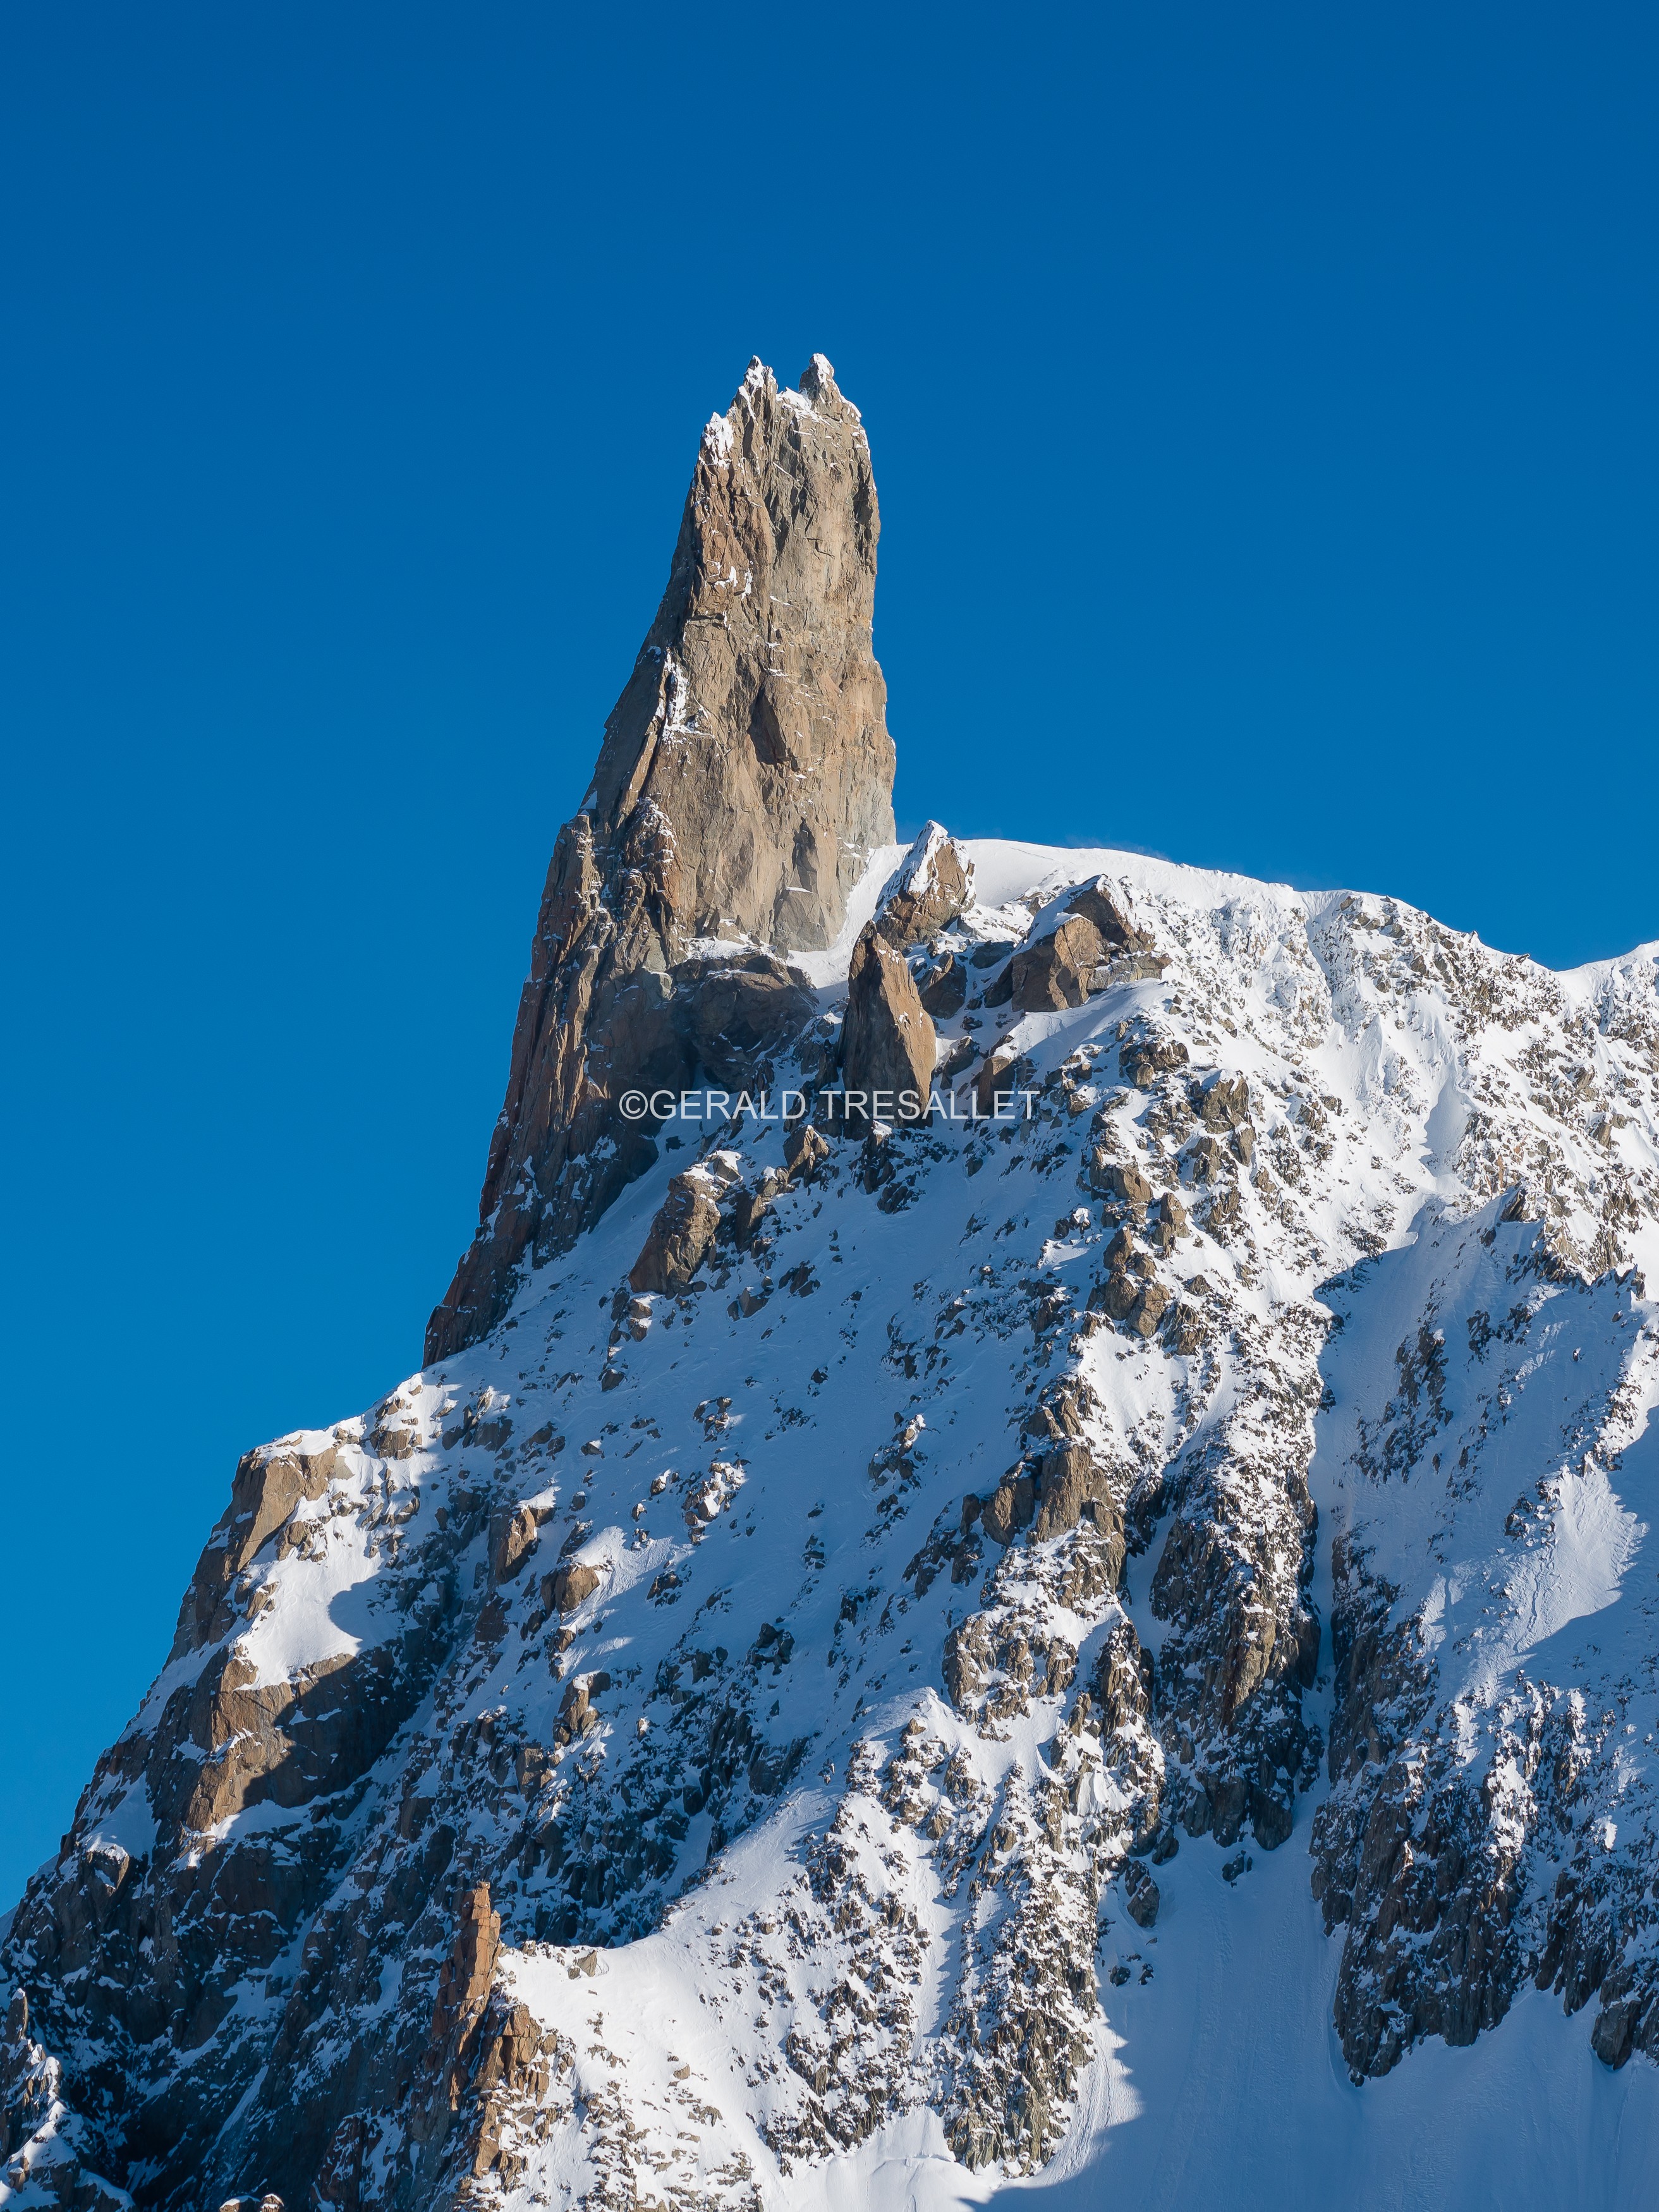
[[746, 774]]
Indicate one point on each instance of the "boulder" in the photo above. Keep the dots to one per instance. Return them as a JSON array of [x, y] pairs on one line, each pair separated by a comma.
[[932, 885], [1099, 904], [684, 1229], [1114, 1295], [1145, 1059], [1078, 951], [567, 1587], [958, 1058], [1119, 1179], [1000, 1073], [888, 1042], [513, 1531], [1151, 1303], [576, 1712], [1055, 970], [394, 1430]]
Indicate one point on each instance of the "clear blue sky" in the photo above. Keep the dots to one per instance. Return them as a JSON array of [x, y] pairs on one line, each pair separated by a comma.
[[1263, 409]]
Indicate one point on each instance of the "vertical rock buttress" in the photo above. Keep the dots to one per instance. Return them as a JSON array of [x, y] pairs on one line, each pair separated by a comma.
[[746, 774]]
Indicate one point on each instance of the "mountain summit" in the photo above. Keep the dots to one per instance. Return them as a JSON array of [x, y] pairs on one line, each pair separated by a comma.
[[1023, 1558], [746, 776]]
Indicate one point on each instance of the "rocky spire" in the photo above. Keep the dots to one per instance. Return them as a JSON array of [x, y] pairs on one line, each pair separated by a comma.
[[746, 772]]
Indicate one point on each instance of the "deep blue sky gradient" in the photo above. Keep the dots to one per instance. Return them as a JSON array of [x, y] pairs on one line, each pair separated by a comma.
[[1262, 405]]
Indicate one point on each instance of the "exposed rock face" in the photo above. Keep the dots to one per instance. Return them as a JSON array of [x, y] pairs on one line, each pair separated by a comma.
[[946, 987], [1073, 1484], [1062, 965], [513, 1532], [932, 884], [734, 1012], [682, 1234], [458, 2011], [269, 1484], [1118, 1179], [804, 1150], [570, 1587], [745, 773], [888, 1042]]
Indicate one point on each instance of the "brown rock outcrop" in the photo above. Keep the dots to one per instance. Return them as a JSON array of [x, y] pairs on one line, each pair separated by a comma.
[[513, 1532], [946, 989], [888, 1042], [1224, 1103], [1055, 971], [267, 1487], [804, 1150], [1170, 1225], [746, 771], [1145, 1059], [1072, 1484], [682, 1233], [1070, 960], [464, 1987], [932, 885], [1121, 1180], [1009, 1507], [576, 1711], [734, 1012], [517, 2060], [567, 1587], [998, 1074]]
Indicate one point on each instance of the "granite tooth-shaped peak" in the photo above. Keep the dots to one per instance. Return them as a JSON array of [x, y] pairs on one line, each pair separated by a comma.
[[746, 775]]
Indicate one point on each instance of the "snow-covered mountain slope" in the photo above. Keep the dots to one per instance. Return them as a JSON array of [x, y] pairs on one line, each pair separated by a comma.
[[1108, 1647]]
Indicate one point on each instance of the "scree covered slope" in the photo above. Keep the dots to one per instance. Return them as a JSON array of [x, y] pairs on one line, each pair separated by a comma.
[[1089, 1624]]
